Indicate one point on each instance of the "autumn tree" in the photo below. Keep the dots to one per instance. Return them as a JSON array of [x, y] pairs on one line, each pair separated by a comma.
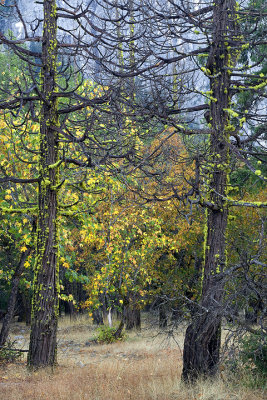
[[17, 229], [205, 46], [176, 52], [40, 101], [54, 94]]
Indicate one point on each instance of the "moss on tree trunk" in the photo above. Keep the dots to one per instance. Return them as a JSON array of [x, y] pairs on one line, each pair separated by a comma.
[[43, 339]]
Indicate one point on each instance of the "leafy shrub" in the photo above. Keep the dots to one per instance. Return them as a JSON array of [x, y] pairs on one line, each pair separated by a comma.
[[8, 353], [108, 335], [253, 353], [248, 363]]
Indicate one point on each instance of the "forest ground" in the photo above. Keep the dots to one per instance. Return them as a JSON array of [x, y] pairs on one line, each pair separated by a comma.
[[146, 366]]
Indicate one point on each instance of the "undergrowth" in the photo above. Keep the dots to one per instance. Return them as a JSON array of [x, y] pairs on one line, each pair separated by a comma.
[[249, 366], [107, 335], [8, 352]]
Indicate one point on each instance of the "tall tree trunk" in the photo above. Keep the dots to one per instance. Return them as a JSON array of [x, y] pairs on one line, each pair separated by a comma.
[[132, 317], [202, 340], [43, 341], [13, 297]]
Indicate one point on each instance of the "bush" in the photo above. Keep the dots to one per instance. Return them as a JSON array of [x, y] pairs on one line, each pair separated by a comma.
[[249, 363], [253, 353], [108, 335], [8, 353]]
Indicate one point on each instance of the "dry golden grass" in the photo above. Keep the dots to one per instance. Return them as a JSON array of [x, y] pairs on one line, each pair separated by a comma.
[[138, 369]]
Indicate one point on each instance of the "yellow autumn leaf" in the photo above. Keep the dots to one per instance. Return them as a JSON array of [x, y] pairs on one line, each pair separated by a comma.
[[2, 124]]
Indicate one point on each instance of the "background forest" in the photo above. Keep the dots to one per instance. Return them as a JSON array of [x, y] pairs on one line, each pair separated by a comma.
[[132, 178]]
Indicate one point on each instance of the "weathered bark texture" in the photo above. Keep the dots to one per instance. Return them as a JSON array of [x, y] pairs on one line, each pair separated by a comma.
[[42, 350], [131, 315], [118, 332], [13, 297], [163, 316], [202, 340]]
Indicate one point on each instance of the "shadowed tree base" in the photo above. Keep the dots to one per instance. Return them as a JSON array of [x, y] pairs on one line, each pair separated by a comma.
[[201, 348], [43, 347]]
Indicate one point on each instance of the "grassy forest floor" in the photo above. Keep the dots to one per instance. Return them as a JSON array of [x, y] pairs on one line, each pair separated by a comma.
[[144, 367]]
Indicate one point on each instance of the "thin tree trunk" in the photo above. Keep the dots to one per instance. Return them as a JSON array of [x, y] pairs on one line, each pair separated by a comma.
[[26, 300], [13, 297], [110, 318], [163, 317], [43, 340], [202, 339], [118, 332]]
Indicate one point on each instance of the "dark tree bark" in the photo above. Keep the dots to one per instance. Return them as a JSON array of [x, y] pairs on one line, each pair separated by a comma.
[[70, 310], [132, 317], [43, 342], [131, 314], [98, 317], [163, 317], [69, 307], [202, 340], [255, 305], [177, 314], [2, 314], [13, 297], [26, 302], [118, 332]]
